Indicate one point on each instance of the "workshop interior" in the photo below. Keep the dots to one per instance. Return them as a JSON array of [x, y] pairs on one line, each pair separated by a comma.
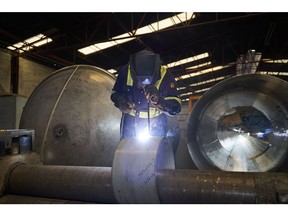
[[60, 132]]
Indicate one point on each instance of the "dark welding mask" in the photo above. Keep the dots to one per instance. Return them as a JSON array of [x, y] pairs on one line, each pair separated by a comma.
[[145, 68]]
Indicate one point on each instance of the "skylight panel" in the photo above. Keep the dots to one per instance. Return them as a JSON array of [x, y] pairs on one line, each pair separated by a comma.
[[203, 82], [208, 81], [199, 65], [166, 23], [30, 43], [276, 61], [273, 73], [196, 92], [202, 90], [209, 70], [42, 42], [187, 60], [191, 93], [153, 27], [35, 38]]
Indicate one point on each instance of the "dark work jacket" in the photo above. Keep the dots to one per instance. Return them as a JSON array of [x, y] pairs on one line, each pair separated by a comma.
[[137, 120]]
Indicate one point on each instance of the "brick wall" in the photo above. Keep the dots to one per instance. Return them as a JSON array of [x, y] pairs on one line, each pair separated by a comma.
[[30, 74], [5, 69]]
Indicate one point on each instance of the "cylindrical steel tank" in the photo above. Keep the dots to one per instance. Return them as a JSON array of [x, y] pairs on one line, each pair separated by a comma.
[[241, 124], [74, 119]]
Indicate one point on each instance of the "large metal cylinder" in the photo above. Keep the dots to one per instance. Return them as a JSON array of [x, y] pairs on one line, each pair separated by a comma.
[[218, 187], [241, 124], [94, 184], [16, 199], [90, 184], [74, 119]]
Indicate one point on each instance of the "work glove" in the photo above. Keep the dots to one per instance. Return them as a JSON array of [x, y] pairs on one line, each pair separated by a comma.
[[152, 94], [124, 105]]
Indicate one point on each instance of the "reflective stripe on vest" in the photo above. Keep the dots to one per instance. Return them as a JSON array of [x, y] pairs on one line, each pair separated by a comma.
[[129, 78], [153, 113], [173, 98]]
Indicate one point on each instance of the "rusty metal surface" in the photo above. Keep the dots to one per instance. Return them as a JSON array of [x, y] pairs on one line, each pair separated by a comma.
[[241, 124]]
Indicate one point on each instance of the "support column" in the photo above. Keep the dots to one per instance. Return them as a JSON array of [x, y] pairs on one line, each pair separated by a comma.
[[14, 73]]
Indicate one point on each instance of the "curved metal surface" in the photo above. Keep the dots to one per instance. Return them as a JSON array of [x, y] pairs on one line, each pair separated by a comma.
[[173, 132], [135, 166], [217, 187], [205, 187], [74, 119], [9, 162], [91, 184], [16, 199], [241, 124], [53, 184]]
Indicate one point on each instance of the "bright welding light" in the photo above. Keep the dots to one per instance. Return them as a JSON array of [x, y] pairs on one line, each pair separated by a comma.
[[143, 135]]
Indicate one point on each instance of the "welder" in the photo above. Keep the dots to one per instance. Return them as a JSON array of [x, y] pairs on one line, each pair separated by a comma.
[[145, 92]]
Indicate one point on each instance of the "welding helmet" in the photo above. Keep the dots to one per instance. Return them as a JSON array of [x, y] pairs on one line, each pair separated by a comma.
[[145, 68]]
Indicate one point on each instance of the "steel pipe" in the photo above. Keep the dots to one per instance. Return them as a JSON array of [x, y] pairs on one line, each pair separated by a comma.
[[217, 187], [92, 184], [16, 199]]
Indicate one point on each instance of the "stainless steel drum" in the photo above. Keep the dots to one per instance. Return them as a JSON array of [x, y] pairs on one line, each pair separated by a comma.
[[241, 124], [74, 119]]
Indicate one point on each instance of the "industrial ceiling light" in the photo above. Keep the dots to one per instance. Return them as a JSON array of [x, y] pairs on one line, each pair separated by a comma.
[[123, 38], [30, 43]]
